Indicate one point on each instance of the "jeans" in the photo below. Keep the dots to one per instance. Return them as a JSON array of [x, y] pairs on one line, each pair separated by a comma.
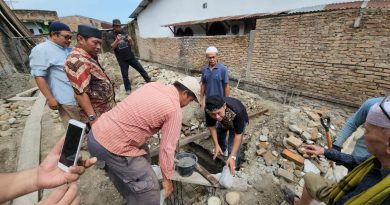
[[124, 64], [221, 133]]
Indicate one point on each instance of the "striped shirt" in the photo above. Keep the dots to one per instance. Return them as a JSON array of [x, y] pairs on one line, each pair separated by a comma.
[[128, 126]]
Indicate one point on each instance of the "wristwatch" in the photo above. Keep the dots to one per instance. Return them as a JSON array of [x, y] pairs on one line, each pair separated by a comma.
[[91, 118], [234, 158]]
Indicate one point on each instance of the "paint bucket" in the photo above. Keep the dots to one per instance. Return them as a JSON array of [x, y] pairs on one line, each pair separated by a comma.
[[186, 163]]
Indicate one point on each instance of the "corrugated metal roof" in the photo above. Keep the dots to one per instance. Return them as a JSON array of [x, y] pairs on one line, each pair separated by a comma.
[[318, 8], [141, 6]]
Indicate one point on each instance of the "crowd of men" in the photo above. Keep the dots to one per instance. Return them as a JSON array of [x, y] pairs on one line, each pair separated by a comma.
[[75, 84]]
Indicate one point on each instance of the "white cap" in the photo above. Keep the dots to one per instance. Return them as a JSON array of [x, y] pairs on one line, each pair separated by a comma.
[[192, 84], [377, 117], [211, 49]]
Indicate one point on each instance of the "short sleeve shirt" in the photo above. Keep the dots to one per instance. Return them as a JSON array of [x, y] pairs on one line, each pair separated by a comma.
[[235, 118], [47, 60], [123, 50], [87, 76], [215, 79]]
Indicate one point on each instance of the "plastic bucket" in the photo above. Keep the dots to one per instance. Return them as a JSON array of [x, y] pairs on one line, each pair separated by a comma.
[[185, 163]]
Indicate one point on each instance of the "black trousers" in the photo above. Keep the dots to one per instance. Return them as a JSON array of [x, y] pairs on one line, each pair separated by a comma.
[[133, 62]]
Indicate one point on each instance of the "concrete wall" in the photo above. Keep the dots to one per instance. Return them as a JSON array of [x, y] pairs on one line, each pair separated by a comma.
[[188, 52], [163, 12], [36, 15], [74, 21], [320, 54]]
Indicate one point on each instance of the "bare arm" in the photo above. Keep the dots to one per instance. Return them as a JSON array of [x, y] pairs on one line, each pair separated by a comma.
[[17, 184], [217, 148], [116, 42], [85, 103], [201, 100], [226, 89], [236, 145], [44, 88]]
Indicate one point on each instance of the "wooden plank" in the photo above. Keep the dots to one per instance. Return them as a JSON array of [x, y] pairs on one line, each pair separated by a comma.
[[206, 174], [154, 152]]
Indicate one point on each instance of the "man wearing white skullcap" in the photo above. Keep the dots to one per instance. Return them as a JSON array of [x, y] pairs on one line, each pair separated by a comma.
[[368, 180], [215, 78]]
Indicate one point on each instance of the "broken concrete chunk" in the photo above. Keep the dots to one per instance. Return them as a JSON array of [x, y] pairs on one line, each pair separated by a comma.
[[295, 128], [275, 153], [11, 121], [214, 201], [233, 198], [263, 145], [313, 116], [268, 158], [265, 131], [263, 138], [294, 142], [306, 136], [298, 159], [261, 151], [285, 174], [310, 167]]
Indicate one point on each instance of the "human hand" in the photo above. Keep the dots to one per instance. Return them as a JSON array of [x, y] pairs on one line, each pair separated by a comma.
[[129, 38], [313, 150], [64, 195], [168, 187], [119, 37], [50, 176], [217, 151], [53, 104], [231, 163]]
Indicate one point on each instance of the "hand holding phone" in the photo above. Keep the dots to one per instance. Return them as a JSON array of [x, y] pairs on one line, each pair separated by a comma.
[[71, 148]]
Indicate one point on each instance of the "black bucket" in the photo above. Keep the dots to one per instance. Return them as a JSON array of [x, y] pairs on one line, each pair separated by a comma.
[[185, 163]]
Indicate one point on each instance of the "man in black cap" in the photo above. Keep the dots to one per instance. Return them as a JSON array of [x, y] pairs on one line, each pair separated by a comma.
[[225, 114], [122, 42], [94, 90], [47, 67]]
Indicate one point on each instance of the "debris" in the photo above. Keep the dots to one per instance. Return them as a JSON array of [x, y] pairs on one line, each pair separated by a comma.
[[306, 136], [293, 141], [261, 151], [232, 198], [263, 145], [265, 131], [310, 167], [313, 116], [263, 138], [298, 159], [285, 174], [268, 158], [214, 201], [295, 128]]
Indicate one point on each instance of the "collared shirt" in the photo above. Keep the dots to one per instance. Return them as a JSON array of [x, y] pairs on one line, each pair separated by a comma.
[[358, 119], [123, 50], [215, 79], [86, 76], [235, 118], [374, 176], [131, 123], [47, 60]]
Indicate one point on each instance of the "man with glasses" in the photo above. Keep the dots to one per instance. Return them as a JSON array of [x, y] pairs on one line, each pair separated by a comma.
[[122, 42], [47, 67], [352, 124]]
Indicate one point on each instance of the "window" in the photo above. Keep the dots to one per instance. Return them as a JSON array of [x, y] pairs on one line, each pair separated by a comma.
[[204, 5], [235, 29], [179, 32], [216, 28], [31, 30], [40, 31], [188, 32]]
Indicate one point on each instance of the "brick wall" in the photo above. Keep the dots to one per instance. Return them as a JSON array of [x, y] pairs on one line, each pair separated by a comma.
[[188, 52], [323, 55], [36, 15]]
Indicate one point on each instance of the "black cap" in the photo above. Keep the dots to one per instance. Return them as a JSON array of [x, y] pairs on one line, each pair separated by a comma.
[[58, 26], [89, 31], [116, 22], [214, 103]]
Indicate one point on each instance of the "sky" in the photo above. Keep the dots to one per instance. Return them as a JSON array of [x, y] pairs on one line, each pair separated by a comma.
[[105, 10]]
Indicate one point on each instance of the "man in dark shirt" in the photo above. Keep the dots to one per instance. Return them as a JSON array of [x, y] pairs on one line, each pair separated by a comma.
[[368, 181], [225, 114], [122, 42]]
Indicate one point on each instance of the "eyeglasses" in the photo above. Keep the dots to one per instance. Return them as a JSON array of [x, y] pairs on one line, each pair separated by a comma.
[[382, 106], [67, 37]]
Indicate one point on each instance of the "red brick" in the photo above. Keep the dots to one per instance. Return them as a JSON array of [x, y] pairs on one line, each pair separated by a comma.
[[297, 158]]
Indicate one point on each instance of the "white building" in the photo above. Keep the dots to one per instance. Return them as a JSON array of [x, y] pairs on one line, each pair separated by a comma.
[[151, 15]]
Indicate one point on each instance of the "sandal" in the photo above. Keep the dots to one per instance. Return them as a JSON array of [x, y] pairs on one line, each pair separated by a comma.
[[289, 195]]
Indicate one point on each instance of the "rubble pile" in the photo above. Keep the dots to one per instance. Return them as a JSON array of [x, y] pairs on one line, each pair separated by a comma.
[[13, 116]]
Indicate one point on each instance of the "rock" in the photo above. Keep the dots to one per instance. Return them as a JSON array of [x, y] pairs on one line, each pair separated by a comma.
[[313, 132], [194, 127], [3, 123], [14, 106], [285, 174], [294, 142], [233, 198], [295, 128], [275, 153], [262, 145], [309, 142], [263, 138], [6, 133], [261, 151], [268, 158], [265, 131], [313, 116], [301, 182], [7, 105], [298, 173], [312, 124], [4, 117], [310, 167], [11, 121], [214, 201], [25, 113], [5, 127], [306, 136]]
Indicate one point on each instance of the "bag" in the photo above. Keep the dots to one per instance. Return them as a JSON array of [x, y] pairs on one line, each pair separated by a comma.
[[226, 179]]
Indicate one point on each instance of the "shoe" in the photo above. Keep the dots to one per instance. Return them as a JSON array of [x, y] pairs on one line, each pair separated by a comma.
[[289, 195], [128, 92], [226, 153]]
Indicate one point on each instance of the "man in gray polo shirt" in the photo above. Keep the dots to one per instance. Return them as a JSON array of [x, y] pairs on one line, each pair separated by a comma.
[[47, 67]]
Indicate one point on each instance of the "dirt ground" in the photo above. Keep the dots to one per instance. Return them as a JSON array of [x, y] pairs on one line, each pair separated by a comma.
[[96, 188]]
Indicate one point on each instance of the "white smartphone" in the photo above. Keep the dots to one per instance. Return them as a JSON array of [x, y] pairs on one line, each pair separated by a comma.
[[71, 148]]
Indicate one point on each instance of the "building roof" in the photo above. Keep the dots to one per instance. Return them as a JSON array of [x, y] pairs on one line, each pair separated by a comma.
[[311, 9], [79, 16], [141, 6]]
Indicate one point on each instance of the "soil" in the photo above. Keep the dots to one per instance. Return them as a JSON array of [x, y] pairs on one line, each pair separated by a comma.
[[96, 188]]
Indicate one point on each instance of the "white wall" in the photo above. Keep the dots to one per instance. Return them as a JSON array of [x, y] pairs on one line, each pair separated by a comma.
[[162, 12]]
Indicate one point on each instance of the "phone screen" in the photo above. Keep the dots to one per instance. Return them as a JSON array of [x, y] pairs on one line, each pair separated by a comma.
[[69, 150]]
